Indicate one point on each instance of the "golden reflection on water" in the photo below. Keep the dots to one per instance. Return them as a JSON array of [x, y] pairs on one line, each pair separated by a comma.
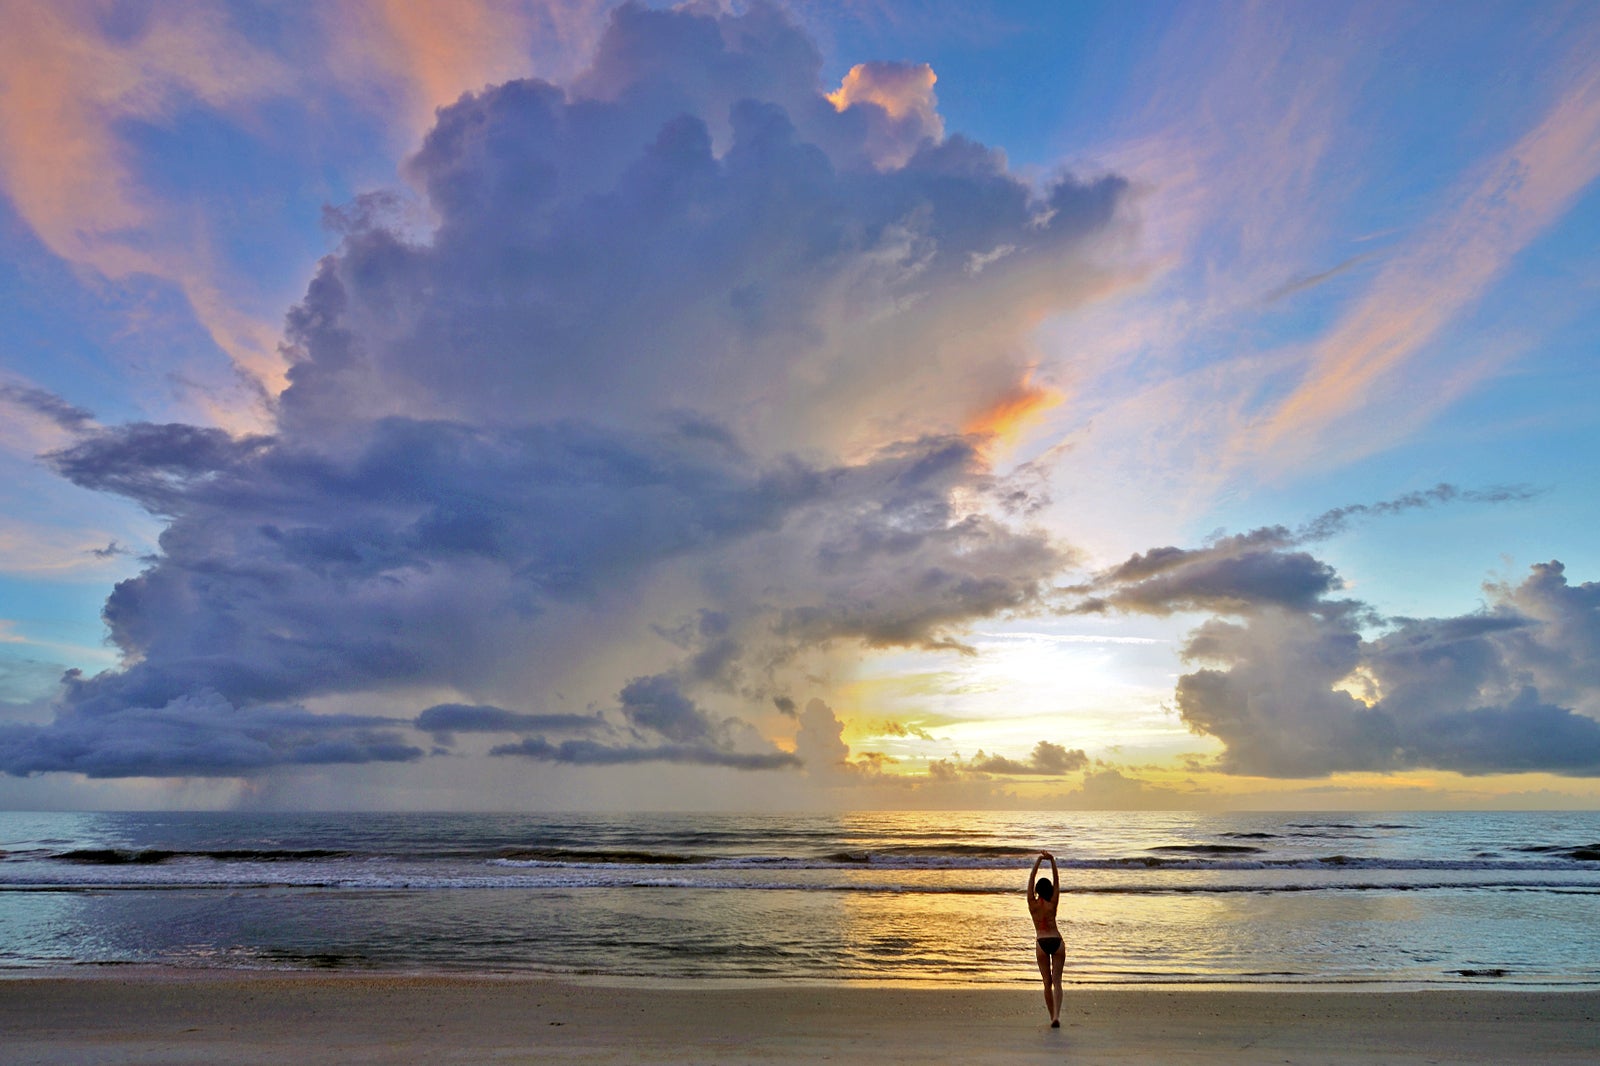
[[951, 936], [988, 938]]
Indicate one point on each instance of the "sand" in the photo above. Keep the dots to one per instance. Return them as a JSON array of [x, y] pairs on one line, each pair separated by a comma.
[[182, 1017]]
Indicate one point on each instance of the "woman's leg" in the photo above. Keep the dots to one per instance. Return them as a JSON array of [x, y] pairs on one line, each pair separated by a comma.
[[1044, 972], [1057, 961]]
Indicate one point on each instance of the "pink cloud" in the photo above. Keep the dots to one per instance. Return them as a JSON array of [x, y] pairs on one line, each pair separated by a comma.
[[1509, 202], [67, 81]]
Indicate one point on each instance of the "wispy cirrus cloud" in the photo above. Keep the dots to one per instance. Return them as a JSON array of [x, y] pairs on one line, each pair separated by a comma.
[[1270, 337], [1430, 280], [70, 73], [406, 59]]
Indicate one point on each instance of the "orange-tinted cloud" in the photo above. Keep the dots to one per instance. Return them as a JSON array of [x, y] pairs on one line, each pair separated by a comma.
[[900, 89], [1019, 409], [902, 93]]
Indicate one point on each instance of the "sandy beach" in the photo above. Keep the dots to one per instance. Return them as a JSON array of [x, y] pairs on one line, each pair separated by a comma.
[[177, 1017]]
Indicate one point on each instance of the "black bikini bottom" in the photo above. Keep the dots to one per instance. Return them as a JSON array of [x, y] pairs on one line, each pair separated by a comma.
[[1049, 944]]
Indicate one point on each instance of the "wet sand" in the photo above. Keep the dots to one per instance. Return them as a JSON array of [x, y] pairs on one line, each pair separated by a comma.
[[154, 1016]]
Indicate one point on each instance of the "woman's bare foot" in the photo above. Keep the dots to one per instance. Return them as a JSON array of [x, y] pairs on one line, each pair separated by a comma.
[[1055, 1023]]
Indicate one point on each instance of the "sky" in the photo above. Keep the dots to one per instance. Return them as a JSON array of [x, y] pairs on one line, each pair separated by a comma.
[[552, 404]]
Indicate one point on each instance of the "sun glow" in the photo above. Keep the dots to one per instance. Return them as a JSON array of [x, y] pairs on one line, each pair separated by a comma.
[[1004, 422], [1073, 689]]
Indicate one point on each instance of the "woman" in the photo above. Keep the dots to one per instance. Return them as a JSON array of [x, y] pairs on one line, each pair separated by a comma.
[[1043, 898]]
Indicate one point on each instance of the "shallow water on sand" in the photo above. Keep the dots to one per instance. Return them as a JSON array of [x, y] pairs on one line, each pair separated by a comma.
[[1504, 899]]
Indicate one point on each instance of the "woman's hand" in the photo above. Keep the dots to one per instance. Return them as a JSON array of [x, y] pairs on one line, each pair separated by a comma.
[[1047, 855]]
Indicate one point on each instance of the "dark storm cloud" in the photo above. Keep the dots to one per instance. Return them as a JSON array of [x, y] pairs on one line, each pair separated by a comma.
[[198, 735], [657, 703], [477, 718], [685, 344], [158, 466], [590, 753], [294, 575]]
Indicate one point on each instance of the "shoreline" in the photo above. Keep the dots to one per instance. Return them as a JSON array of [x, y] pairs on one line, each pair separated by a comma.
[[157, 1014], [155, 971]]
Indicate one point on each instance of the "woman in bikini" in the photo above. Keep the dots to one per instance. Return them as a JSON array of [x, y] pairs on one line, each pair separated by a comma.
[[1043, 898]]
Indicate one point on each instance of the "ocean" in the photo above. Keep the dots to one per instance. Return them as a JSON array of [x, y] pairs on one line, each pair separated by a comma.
[[1406, 899]]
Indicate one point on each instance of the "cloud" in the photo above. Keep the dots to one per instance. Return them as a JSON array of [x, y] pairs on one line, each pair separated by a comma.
[[1225, 582], [1047, 759], [1560, 648], [819, 744], [807, 302], [434, 53], [1293, 686], [898, 102], [72, 77], [1333, 522], [1299, 692], [1110, 789], [1249, 145], [820, 747], [1310, 281], [665, 723], [658, 704], [1238, 572], [446, 718], [197, 735], [157, 466], [670, 401], [64, 416], [82, 85], [899, 729], [30, 549], [590, 753], [1498, 212]]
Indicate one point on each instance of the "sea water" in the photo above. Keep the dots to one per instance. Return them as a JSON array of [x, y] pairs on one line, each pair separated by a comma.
[[1412, 899]]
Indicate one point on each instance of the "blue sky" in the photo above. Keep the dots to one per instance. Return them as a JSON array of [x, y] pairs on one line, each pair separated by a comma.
[[852, 405]]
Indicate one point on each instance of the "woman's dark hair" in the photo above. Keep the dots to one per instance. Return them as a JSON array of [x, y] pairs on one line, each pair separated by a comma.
[[1044, 889]]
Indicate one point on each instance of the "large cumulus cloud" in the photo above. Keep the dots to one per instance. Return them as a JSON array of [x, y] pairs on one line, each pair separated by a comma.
[[677, 391], [1297, 681]]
